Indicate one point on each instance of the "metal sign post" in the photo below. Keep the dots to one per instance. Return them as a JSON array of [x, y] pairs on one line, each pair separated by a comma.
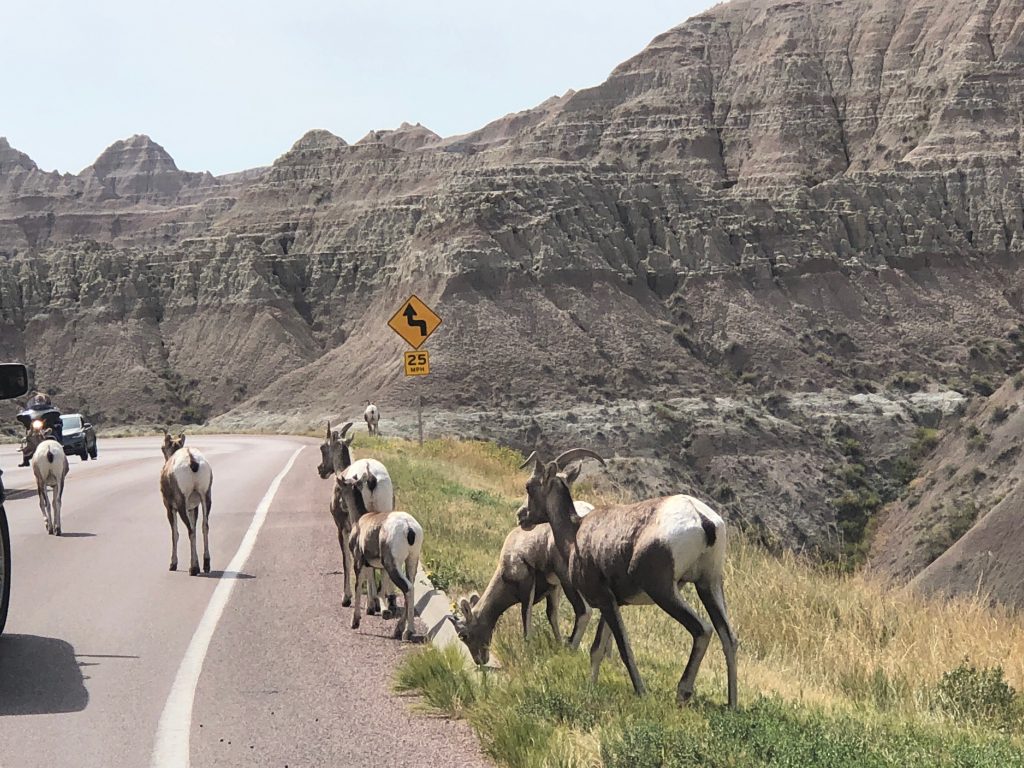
[[415, 322]]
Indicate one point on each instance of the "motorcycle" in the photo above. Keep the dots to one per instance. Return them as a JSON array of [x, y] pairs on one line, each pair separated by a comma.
[[13, 383], [38, 417]]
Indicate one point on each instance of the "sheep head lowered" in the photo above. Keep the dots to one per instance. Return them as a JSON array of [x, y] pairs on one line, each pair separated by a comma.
[[551, 484], [335, 453], [474, 631]]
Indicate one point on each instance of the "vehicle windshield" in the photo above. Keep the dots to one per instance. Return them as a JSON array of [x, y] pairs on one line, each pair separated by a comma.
[[71, 422]]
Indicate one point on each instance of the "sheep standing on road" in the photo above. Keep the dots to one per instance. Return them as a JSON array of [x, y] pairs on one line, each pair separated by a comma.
[[50, 467], [186, 482], [335, 458], [638, 553], [372, 418], [391, 541]]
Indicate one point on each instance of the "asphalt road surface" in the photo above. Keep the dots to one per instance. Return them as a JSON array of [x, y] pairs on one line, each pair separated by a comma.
[[110, 660]]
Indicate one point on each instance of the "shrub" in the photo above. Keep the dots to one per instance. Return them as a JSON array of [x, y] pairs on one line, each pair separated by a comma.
[[444, 573], [1000, 414], [977, 695]]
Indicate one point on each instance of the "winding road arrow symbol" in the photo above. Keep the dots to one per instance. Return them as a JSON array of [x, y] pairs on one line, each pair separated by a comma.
[[410, 314]]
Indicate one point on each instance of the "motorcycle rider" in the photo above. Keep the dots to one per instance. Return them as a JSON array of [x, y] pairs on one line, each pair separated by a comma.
[[38, 408]]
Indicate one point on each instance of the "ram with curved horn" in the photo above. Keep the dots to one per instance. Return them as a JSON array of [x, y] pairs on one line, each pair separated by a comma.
[[636, 554], [378, 496], [530, 569]]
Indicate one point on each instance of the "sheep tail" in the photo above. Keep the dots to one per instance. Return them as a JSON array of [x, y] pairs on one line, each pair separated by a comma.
[[710, 531], [192, 463], [410, 536]]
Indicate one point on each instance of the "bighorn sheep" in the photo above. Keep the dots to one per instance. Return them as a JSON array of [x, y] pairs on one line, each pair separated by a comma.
[[388, 540], [50, 466], [186, 481], [529, 570], [638, 553], [372, 418], [336, 457]]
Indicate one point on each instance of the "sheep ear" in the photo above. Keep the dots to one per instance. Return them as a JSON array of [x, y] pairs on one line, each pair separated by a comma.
[[474, 599], [572, 474], [549, 472], [181, 436], [467, 609], [349, 438], [328, 431]]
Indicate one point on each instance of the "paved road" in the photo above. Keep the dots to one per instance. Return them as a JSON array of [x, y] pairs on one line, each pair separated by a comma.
[[99, 628]]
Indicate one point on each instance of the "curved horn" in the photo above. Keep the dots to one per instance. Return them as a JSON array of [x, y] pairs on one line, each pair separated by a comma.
[[344, 429], [576, 454], [529, 460]]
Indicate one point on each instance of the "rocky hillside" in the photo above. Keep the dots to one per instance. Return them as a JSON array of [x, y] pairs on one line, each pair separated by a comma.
[[756, 259]]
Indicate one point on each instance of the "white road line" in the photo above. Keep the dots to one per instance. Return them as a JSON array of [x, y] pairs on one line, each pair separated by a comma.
[[172, 734]]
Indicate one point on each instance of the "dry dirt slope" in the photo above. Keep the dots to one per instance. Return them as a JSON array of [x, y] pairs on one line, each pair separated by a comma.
[[771, 200], [959, 530]]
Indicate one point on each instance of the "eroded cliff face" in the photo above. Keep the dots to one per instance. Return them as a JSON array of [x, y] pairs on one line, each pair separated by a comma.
[[772, 200]]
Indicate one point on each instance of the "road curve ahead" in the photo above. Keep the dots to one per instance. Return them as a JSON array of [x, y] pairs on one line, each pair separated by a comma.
[[110, 660]]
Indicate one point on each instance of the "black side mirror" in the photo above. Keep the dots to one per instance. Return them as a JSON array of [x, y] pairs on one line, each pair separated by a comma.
[[13, 380]]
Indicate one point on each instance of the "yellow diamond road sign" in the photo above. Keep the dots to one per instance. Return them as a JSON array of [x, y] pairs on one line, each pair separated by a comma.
[[416, 363], [414, 321]]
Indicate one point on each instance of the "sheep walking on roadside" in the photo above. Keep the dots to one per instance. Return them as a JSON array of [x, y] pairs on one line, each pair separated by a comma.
[[372, 418], [50, 467], [391, 541], [186, 483], [634, 554], [377, 496], [530, 569]]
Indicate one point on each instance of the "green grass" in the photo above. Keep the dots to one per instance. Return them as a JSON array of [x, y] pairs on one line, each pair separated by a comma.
[[835, 669]]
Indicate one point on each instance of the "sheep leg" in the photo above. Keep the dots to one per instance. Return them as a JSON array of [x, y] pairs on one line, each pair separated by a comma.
[[599, 649], [373, 599], [388, 589], [404, 627], [526, 604], [172, 518], [582, 614], [713, 599], [346, 567], [412, 565], [554, 597], [357, 609], [58, 492], [191, 518], [614, 620], [669, 600], [44, 504], [207, 501]]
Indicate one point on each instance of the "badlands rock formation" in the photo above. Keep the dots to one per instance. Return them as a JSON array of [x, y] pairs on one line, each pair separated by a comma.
[[785, 205]]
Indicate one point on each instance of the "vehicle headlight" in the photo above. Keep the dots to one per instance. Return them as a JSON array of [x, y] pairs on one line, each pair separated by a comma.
[[37, 424]]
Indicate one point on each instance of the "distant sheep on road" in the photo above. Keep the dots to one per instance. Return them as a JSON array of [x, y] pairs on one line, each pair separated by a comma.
[[372, 418]]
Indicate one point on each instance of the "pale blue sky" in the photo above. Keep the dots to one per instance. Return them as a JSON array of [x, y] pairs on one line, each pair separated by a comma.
[[229, 85]]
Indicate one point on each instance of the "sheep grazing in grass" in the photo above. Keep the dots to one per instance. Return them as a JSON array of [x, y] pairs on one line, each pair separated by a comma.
[[186, 482], [50, 467], [390, 541], [372, 418], [336, 457], [530, 569], [634, 554]]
